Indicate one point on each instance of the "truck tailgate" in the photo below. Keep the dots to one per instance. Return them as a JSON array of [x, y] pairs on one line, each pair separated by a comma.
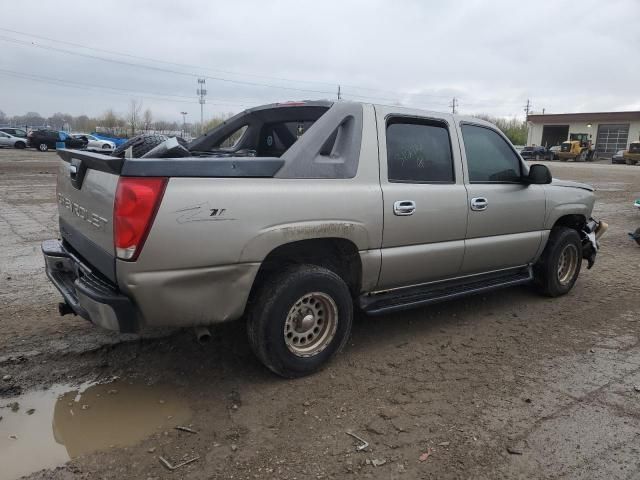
[[86, 191]]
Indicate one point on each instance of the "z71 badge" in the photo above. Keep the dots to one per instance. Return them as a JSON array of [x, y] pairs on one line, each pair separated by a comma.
[[202, 212]]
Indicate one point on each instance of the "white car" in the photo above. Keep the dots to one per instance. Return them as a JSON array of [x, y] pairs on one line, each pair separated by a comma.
[[7, 140], [94, 143]]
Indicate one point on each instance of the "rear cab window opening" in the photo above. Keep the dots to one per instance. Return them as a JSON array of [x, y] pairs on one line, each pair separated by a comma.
[[262, 132], [280, 132]]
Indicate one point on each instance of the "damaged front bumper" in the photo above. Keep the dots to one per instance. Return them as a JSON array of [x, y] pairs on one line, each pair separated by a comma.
[[591, 233], [85, 293]]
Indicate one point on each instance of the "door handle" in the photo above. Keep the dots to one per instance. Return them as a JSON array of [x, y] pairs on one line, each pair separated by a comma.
[[479, 204], [402, 208]]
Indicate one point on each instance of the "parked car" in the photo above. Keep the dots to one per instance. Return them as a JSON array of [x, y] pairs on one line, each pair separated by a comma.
[[15, 132], [535, 152], [7, 140], [94, 143], [439, 206], [618, 157], [553, 152], [44, 140]]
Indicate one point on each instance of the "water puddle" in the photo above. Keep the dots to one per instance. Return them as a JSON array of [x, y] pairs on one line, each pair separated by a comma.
[[46, 428]]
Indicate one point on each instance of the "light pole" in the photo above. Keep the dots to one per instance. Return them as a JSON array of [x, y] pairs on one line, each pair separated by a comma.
[[184, 122], [202, 93]]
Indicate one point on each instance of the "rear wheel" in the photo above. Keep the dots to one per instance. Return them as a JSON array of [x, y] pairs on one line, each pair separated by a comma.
[[583, 155], [630, 161], [43, 147], [20, 145], [299, 319], [559, 266]]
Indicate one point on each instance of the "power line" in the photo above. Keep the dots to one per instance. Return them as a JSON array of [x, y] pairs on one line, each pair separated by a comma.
[[217, 78], [200, 67], [115, 91]]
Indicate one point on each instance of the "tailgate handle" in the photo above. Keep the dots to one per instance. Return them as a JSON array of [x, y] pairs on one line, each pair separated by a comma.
[[77, 171]]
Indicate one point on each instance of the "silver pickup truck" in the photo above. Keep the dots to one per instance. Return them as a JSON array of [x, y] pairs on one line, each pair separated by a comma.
[[291, 214]]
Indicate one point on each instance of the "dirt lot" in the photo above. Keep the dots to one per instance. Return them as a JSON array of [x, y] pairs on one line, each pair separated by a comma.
[[505, 385]]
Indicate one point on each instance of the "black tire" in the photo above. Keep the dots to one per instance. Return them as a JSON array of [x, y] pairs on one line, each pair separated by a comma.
[[43, 147], [546, 271], [140, 144], [636, 234], [20, 145], [273, 303]]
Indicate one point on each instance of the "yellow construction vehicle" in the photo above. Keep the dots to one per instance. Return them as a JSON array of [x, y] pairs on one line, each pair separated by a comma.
[[632, 156], [577, 148]]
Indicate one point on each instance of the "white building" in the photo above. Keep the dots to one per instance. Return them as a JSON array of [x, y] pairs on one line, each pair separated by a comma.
[[611, 131]]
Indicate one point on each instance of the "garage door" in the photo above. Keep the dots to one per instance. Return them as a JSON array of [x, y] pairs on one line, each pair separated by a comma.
[[611, 138]]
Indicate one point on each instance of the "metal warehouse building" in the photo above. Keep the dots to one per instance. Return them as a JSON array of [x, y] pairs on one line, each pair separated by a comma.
[[611, 131]]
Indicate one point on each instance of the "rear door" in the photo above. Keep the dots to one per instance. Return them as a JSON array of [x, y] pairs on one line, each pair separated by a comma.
[[425, 201], [506, 215]]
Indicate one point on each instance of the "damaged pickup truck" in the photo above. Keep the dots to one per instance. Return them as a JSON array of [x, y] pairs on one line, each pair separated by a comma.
[[292, 215]]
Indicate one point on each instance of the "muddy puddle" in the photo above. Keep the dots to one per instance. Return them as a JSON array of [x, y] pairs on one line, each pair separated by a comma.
[[43, 429]]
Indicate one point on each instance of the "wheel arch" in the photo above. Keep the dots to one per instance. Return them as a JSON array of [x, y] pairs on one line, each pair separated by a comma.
[[337, 254], [575, 221]]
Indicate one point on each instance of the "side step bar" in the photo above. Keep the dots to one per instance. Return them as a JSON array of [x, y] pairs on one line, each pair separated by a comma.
[[411, 297]]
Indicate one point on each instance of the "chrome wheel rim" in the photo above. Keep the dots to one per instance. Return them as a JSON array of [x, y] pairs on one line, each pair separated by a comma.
[[311, 324], [567, 264]]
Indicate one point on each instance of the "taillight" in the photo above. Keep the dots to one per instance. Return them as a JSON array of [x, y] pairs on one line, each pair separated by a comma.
[[137, 201]]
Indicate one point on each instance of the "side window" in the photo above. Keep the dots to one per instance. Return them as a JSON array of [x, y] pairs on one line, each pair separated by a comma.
[[419, 151], [489, 157]]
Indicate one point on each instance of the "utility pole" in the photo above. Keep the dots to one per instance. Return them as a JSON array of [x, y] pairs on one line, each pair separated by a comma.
[[543, 110], [184, 122], [453, 105], [527, 108], [202, 92], [339, 93]]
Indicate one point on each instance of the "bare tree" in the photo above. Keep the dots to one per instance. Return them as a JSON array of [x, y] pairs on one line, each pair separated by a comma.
[[110, 121], [147, 119], [133, 115]]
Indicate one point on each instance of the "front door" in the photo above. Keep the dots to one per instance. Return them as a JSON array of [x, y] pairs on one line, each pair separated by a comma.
[[425, 200], [506, 215]]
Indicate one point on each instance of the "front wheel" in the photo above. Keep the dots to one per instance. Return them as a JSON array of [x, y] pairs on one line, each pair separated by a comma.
[[299, 319], [558, 268], [20, 145], [43, 147]]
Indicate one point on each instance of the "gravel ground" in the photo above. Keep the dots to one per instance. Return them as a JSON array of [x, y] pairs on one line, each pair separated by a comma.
[[503, 385]]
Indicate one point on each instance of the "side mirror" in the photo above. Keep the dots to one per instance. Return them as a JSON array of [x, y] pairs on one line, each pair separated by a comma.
[[538, 175]]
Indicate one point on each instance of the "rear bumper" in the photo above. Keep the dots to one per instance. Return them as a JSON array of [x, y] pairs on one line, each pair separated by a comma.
[[87, 294]]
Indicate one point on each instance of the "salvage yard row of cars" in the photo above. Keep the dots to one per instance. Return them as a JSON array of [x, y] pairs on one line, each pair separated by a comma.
[[46, 139], [580, 149]]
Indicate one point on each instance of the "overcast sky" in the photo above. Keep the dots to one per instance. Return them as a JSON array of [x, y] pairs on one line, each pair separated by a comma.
[[566, 56]]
